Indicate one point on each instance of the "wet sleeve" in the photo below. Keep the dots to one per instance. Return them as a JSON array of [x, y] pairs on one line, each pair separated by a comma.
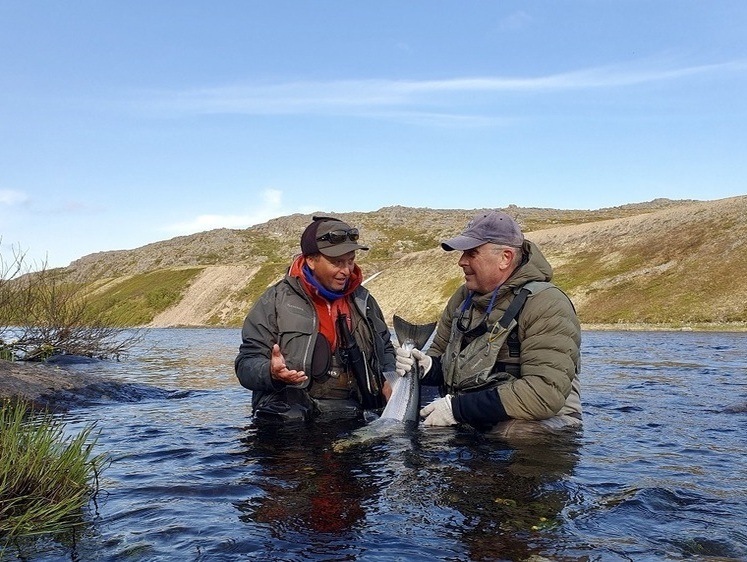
[[259, 332], [480, 409]]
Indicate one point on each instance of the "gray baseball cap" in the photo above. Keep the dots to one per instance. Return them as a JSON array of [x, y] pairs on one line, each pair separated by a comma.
[[491, 226]]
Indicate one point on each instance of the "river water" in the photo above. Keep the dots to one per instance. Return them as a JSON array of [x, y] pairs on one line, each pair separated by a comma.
[[658, 472]]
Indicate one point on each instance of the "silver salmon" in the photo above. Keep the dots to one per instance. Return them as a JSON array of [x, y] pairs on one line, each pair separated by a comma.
[[399, 415], [401, 412]]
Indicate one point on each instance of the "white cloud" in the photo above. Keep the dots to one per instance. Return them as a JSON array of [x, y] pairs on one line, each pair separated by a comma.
[[11, 197], [270, 206], [517, 20], [374, 98]]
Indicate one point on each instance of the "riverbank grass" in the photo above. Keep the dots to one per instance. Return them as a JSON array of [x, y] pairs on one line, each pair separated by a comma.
[[46, 478]]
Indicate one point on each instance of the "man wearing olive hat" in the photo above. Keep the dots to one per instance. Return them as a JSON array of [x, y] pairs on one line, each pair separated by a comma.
[[506, 353], [316, 343]]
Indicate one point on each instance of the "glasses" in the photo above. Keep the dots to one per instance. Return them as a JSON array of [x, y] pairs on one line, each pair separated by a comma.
[[339, 236]]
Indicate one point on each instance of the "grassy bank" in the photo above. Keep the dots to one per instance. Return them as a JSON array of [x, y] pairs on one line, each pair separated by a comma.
[[46, 479]]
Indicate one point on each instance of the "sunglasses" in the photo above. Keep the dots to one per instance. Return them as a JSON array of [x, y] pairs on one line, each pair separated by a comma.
[[339, 236]]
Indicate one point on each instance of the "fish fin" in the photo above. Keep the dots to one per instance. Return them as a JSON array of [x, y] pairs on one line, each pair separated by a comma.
[[416, 334]]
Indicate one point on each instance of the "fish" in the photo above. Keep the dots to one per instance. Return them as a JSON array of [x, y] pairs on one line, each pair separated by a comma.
[[399, 415], [402, 410]]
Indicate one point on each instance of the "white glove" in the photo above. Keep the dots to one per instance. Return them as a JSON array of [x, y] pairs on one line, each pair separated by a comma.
[[406, 359], [439, 412], [425, 361]]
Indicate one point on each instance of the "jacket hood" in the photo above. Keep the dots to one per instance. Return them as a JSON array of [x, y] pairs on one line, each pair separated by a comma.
[[535, 267]]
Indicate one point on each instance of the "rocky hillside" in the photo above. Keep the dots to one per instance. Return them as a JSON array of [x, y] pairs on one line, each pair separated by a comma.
[[675, 262]]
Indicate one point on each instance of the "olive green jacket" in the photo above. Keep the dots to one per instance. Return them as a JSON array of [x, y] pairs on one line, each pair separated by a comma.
[[550, 337]]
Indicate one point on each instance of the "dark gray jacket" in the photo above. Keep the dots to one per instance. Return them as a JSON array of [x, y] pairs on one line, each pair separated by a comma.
[[285, 315]]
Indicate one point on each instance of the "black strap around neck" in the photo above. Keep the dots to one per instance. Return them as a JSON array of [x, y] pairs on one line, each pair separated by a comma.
[[513, 309]]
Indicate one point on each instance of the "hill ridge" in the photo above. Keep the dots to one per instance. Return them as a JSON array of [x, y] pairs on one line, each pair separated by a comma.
[[641, 262]]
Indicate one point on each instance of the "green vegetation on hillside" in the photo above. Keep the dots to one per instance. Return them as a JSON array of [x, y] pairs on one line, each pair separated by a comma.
[[399, 240], [685, 275], [272, 250], [268, 274], [658, 262], [432, 312], [42, 314], [136, 300]]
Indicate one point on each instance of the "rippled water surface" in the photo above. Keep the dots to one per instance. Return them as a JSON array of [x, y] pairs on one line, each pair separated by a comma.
[[658, 472]]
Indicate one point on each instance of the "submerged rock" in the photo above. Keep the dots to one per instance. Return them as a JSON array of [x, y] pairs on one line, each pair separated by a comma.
[[54, 388], [70, 359]]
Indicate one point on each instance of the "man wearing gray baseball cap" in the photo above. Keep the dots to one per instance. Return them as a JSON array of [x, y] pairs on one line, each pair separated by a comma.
[[507, 347], [316, 345]]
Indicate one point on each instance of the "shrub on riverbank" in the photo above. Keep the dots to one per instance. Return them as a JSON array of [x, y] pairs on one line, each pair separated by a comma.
[[46, 479], [42, 314]]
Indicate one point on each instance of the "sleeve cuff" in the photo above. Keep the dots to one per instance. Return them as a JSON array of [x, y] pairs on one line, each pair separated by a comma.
[[434, 376], [480, 409]]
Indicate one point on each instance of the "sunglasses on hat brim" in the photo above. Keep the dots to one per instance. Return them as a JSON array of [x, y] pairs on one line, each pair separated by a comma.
[[339, 236]]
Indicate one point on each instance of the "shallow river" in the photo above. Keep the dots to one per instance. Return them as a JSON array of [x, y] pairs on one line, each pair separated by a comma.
[[659, 471]]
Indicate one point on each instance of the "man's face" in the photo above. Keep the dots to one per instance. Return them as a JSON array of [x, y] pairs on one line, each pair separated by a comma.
[[486, 267], [332, 273]]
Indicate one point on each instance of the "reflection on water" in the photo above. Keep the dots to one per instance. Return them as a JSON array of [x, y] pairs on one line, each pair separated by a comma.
[[423, 496], [509, 498], [657, 473], [305, 494]]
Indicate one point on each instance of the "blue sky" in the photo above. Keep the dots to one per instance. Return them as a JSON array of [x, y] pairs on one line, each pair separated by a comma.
[[125, 123]]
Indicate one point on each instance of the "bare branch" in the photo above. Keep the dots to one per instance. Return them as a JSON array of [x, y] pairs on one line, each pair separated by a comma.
[[42, 314]]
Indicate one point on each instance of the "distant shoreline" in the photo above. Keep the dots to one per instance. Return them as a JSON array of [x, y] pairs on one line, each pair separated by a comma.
[[38, 382], [667, 327]]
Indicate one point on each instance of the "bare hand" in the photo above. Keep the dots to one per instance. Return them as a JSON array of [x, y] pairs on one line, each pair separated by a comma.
[[279, 370], [386, 390]]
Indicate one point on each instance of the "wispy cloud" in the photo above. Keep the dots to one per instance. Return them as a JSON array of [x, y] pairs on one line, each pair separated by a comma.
[[269, 207], [435, 119], [517, 20], [379, 98], [11, 197]]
